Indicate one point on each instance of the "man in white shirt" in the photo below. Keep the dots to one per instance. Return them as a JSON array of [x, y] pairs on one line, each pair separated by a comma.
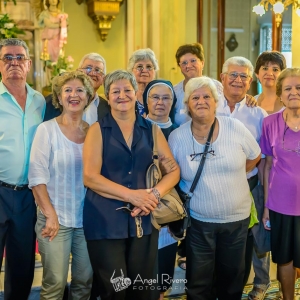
[[94, 65], [236, 77]]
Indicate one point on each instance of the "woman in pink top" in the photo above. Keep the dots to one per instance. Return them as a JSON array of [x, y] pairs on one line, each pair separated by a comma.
[[280, 142]]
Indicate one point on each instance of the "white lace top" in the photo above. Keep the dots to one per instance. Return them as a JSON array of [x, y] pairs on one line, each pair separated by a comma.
[[57, 162]]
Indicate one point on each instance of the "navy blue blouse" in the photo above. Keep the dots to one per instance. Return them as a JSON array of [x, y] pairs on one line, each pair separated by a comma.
[[126, 167]]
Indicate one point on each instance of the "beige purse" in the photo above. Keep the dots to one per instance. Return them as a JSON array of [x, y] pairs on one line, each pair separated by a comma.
[[171, 207]]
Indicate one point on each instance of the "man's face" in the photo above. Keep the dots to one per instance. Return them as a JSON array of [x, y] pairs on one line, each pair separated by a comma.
[[236, 87], [96, 73], [15, 69]]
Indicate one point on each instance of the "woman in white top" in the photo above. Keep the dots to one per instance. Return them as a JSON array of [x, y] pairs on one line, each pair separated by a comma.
[[220, 205], [55, 177]]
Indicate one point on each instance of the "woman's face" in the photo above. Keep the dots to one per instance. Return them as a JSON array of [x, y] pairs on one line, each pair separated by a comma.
[[268, 74], [201, 103], [143, 71], [290, 94], [160, 101], [121, 96], [73, 97], [53, 2], [191, 66]]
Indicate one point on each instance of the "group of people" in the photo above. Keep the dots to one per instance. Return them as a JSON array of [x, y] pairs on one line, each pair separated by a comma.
[[85, 168]]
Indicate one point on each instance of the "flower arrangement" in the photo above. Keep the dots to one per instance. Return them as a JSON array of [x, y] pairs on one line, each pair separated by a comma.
[[63, 64], [8, 28]]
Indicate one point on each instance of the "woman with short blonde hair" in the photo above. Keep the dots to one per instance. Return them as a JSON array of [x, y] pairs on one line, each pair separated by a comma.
[[55, 177]]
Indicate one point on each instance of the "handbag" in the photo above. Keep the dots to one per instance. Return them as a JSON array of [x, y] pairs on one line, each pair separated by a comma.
[[178, 229], [170, 207]]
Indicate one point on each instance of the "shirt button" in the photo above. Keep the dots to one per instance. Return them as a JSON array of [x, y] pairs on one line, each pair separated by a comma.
[[129, 172], [129, 185]]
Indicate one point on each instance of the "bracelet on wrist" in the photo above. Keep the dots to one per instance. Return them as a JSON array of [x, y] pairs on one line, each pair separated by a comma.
[[156, 193]]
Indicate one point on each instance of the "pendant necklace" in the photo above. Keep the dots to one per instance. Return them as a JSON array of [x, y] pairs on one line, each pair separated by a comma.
[[295, 127], [201, 137]]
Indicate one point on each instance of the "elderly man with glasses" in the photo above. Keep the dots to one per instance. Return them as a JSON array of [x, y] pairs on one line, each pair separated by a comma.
[[236, 77], [94, 65], [21, 111]]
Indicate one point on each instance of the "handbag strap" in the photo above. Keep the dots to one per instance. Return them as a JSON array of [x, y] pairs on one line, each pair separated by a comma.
[[155, 151], [201, 165]]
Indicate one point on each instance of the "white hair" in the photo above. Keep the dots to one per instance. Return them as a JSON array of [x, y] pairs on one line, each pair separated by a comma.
[[238, 61], [95, 57], [142, 54]]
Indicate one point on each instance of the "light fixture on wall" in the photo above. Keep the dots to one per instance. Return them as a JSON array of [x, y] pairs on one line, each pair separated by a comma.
[[278, 6], [103, 12]]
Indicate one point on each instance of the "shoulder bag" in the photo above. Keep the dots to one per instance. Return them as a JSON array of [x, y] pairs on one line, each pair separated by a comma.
[[178, 229], [170, 208]]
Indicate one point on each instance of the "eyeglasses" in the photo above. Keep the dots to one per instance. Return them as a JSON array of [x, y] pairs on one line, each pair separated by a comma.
[[141, 68], [164, 99], [89, 69], [186, 62], [235, 75], [126, 209], [10, 58], [296, 150], [209, 155]]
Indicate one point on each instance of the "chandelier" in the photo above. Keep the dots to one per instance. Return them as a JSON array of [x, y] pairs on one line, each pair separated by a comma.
[[278, 6]]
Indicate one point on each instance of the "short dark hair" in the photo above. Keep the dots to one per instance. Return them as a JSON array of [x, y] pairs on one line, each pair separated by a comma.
[[14, 42], [270, 56], [196, 49]]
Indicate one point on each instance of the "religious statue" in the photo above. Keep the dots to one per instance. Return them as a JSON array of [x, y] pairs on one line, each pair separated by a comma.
[[54, 25]]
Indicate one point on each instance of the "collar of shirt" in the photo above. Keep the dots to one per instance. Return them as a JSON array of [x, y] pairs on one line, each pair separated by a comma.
[[96, 100], [30, 92], [238, 105]]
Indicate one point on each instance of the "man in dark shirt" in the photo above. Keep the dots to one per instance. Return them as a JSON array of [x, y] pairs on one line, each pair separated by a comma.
[[93, 64]]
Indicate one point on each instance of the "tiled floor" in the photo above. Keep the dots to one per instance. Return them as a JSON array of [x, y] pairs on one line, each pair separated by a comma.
[[176, 292]]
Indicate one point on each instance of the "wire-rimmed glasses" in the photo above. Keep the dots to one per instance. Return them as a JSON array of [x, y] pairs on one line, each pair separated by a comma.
[[296, 150], [20, 58], [197, 156]]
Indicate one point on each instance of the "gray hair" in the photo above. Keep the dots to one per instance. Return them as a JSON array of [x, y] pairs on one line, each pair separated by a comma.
[[95, 57], [238, 61], [142, 54], [14, 42], [197, 83], [60, 80], [116, 76]]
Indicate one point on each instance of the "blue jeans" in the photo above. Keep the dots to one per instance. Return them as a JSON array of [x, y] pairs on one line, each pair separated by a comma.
[[261, 266], [55, 260]]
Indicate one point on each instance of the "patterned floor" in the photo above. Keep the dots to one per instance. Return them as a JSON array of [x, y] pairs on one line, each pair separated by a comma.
[[271, 293]]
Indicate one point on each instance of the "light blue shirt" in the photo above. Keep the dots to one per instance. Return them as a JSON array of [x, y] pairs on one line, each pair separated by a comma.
[[251, 117], [17, 129]]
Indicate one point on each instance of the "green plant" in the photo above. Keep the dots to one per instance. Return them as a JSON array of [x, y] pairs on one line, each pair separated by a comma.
[[8, 28], [63, 64]]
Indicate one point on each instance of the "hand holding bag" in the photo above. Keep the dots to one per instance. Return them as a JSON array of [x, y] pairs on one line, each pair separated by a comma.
[[170, 207]]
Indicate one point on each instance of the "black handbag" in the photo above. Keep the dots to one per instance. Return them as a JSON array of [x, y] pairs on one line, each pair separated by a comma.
[[178, 228]]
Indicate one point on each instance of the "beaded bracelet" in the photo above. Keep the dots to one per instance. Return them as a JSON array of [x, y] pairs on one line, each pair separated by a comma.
[[157, 196]]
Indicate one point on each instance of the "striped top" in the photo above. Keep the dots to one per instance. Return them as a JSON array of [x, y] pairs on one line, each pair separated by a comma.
[[57, 162], [222, 193]]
